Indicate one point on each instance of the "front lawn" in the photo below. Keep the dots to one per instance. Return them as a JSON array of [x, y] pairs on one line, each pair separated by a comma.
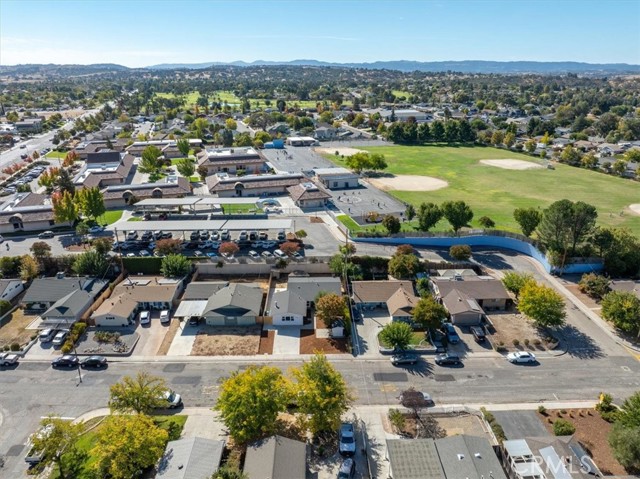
[[110, 217], [56, 154], [88, 440]]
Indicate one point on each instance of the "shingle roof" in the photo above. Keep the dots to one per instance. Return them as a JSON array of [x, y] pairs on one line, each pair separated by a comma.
[[180, 187], [402, 302], [276, 458], [190, 458], [202, 289], [216, 183], [49, 290], [308, 287], [478, 288], [126, 295], [244, 297], [470, 457], [300, 192], [458, 302], [378, 291], [70, 306], [288, 302], [414, 459]]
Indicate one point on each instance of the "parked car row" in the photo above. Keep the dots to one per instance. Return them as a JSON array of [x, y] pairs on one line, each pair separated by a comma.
[[27, 177]]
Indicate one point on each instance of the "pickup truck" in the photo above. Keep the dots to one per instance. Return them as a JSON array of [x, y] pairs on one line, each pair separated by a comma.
[[8, 359]]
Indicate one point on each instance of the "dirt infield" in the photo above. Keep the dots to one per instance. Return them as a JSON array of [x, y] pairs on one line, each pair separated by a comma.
[[345, 151], [408, 183], [635, 208], [512, 164]]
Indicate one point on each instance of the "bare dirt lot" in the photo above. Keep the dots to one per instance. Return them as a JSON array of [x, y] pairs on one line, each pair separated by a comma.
[[408, 183], [515, 326], [13, 329], [592, 432], [309, 344], [222, 341], [512, 164], [168, 338], [345, 151]]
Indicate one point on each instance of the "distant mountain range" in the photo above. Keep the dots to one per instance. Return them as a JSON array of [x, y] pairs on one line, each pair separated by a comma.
[[466, 66]]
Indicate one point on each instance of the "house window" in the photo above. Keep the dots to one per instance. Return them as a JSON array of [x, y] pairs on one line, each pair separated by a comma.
[[335, 184], [51, 222], [17, 226]]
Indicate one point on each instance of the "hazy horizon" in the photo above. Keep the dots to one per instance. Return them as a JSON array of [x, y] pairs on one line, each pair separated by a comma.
[[143, 33]]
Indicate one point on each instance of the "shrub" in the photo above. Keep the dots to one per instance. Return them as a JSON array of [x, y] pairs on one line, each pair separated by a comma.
[[461, 252], [5, 306], [516, 342], [537, 342], [542, 410], [67, 347], [14, 347], [563, 428], [526, 342], [397, 420]]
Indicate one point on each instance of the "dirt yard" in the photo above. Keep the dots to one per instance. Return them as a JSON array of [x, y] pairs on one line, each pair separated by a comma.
[[515, 326], [266, 342], [222, 341], [408, 183], [512, 164], [13, 329], [168, 338], [592, 432], [309, 344]]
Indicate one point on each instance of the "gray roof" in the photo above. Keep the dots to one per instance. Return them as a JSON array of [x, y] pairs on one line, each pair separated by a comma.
[[246, 299], [308, 287], [190, 458], [458, 302], [476, 287], [70, 306], [288, 302], [50, 290], [414, 459], [276, 458], [470, 457], [203, 289]]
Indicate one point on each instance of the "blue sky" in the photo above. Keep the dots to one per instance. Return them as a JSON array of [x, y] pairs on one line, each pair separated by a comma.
[[146, 32]]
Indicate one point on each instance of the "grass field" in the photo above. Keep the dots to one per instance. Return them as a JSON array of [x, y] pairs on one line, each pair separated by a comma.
[[56, 154], [496, 192], [190, 97], [110, 217], [240, 208], [88, 441]]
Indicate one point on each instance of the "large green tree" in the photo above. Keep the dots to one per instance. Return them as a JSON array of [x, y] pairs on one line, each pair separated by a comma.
[[150, 160], [322, 395], [396, 335], [186, 167], [64, 182], [457, 213], [404, 266], [428, 216], [250, 401], [126, 445], [625, 444], [429, 313], [330, 307], [183, 146], [391, 223], [564, 224], [175, 266], [140, 394], [90, 263], [622, 309], [528, 219], [91, 202], [65, 209], [542, 304], [59, 445], [514, 281]]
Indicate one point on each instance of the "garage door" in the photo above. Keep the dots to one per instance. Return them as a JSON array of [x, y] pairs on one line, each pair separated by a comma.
[[230, 321]]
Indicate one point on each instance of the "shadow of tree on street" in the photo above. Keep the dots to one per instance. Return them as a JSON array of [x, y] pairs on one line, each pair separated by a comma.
[[578, 344]]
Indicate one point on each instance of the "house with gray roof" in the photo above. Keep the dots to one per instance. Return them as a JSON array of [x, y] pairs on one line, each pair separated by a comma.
[[288, 308], [234, 305], [190, 458], [276, 457], [195, 298], [308, 287], [471, 457], [61, 301], [10, 288], [117, 196], [413, 459]]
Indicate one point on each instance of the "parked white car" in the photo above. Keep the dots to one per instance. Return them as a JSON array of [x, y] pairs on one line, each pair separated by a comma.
[[279, 254], [145, 317], [8, 359], [60, 338], [521, 357], [164, 316]]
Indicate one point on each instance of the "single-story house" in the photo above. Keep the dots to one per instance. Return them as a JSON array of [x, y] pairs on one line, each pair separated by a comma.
[[138, 147], [134, 294], [308, 195], [61, 301], [453, 457], [234, 305], [547, 457], [10, 288], [84, 148], [190, 458], [225, 186], [26, 212], [276, 457], [288, 308], [397, 296], [195, 298], [337, 178], [468, 297], [118, 196], [308, 287], [232, 160]]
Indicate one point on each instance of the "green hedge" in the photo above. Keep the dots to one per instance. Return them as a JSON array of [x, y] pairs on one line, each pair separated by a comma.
[[142, 265]]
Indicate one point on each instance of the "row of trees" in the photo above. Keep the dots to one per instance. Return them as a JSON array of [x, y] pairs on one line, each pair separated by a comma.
[[457, 213], [450, 131]]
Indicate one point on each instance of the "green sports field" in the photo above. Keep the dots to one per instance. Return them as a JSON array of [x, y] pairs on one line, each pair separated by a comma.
[[496, 192]]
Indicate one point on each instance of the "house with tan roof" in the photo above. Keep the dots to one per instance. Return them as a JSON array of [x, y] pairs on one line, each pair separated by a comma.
[[226, 186], [398, 297], [137, 294], [308, 195], [104, 168], [26, 212], [118, 196], [232, 160]]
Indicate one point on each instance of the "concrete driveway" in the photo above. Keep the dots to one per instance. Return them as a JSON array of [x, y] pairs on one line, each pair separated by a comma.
[[368, 331], [287, 340], [182, 343], [151, 336]]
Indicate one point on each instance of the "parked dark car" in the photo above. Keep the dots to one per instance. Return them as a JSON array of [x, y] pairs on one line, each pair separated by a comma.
[[66, 361], [450, 331], [478, 334], [447, 358], [347, 469], [94, 362]]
